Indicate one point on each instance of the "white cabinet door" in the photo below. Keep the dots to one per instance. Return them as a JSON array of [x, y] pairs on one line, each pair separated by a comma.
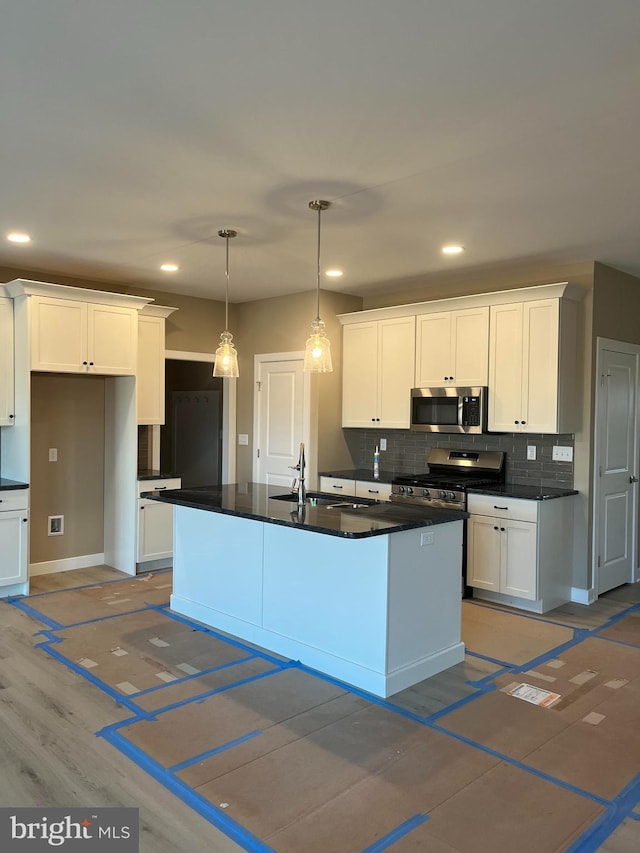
[[59, 335], [6, 363], [433, 350], [150, 371], [360, 375], [470, 347], [540, 323], [396, 370], [155, 530], [14, 536], [69, 336], [483, 552], [112, 339], [452, 348], [505, 368], [518, 565]]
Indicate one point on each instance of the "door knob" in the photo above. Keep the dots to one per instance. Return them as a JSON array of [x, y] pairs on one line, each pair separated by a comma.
[[633, 479]]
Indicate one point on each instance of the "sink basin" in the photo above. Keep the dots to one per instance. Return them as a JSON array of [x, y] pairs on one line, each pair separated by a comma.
[[320, 499]]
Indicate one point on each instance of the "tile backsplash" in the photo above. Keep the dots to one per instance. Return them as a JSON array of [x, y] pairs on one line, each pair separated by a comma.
[[406, 453]]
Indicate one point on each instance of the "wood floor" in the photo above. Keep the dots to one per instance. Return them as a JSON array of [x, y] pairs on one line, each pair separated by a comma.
[[49, 754]]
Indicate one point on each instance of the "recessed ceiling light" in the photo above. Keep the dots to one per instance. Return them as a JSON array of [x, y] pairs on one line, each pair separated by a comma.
[[169, 267], [333, 273], [452, 249], [18, 237]]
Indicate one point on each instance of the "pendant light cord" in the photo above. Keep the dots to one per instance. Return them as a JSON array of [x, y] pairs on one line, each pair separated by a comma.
[[318, 270], [226, 296]]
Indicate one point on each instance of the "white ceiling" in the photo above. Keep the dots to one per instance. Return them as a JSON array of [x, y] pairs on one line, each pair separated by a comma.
[[132, 130]]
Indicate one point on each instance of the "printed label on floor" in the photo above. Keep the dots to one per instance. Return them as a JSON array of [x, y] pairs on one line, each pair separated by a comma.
[[107, 830], [535, 695]]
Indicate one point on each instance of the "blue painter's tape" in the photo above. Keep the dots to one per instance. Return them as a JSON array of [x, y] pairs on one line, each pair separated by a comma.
[[607, 823], [207, 810], [395, 835], [209, 752], [198, 674], [149, 715], [581, 792], [85, 673], [503, 663], [31, 611], [237, 643]]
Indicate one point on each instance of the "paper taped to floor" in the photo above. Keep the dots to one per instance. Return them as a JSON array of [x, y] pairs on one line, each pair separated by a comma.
[[535, 695]]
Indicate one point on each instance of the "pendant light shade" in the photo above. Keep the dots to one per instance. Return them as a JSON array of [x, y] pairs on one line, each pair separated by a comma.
[[317, 354], [226, 360]]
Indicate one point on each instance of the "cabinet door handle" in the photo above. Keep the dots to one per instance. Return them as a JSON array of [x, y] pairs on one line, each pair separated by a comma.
[[85, 363], [373, 491], [25, 519], [524, 422], [516, 422], [495, 527], [11, 417], [160, 487], [502, 528], [500, 507], [336, 487]]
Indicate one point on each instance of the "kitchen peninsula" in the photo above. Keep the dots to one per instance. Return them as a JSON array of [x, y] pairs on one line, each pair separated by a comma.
[[366, 592]]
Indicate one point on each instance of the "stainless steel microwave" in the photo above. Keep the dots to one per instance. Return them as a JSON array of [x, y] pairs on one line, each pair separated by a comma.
[[451, 409]]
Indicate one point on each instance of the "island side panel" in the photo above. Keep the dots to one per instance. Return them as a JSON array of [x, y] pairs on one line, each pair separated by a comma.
[[328, 595], [217, 567], [424, 603]]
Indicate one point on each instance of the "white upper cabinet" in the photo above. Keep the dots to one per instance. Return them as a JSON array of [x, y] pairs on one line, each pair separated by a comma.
[[6, 363], [452, 348], [532, 357], [150, 374], [70, 336], [73, 330], [378, 373]]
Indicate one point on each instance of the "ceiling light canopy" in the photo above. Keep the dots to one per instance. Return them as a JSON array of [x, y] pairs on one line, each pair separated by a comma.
[[317, 354], [18, 237], [169, 267], [452, 249], [334, 273], [226, 360]]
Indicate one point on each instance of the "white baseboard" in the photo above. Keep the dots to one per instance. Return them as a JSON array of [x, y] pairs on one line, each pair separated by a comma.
[[583, 596], [84, 561]]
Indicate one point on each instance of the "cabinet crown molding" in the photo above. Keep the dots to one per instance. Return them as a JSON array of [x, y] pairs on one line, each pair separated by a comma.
[[25, 287], [475, 300], [162, 311]]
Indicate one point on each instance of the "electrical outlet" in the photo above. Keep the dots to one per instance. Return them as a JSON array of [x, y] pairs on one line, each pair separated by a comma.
[[55, 525], [383, 444], [426, 538], [531, 452], [53, 454], [562, 454]]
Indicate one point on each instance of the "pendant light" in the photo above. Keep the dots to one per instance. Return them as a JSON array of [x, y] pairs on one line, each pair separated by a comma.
[[226, 361], [317, 354]]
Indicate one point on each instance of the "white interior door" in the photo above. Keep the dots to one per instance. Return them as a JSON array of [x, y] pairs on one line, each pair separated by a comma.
[[617, 468], [280, 417]]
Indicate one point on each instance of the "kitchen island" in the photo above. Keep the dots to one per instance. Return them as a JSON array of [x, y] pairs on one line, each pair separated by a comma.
[[368, 593]]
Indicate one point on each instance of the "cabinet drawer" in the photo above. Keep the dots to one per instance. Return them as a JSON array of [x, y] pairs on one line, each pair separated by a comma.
[[375, 490], [14, 499], [500, 507], [161, 483], [337, 486]]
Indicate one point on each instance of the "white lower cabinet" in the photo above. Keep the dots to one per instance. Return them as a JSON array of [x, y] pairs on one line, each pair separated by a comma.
[[14, 537], [155, 522], [519, 551], [373, 489]]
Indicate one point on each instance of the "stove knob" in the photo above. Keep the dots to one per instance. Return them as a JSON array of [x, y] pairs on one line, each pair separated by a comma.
[[451, 496], [443, 495], [425, 493], [401, 490], [409, 490]]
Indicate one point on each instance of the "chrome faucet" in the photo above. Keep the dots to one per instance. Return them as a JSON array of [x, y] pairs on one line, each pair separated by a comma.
[[298, 483]]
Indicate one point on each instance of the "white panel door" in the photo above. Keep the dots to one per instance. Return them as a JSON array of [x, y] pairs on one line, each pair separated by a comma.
[[280, 420], [618, 469]]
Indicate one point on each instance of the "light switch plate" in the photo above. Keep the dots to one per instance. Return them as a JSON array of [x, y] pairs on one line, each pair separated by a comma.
[[243, 438], [531, 452], [53, 454], [562, 454], [383, 444]]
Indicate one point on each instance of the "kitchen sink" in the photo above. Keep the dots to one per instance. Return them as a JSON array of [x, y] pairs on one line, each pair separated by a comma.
[[320, 499]]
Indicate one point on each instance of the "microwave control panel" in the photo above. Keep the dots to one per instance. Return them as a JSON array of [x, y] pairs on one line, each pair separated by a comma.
[[471, 411]]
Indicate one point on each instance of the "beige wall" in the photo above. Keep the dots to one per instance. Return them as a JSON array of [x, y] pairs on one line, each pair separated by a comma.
[[283, 324], [67, 412]]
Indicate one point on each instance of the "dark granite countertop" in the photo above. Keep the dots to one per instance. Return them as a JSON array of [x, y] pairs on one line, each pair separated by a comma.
[[148, 474], [527, 492], [256, 501], [6, 484]]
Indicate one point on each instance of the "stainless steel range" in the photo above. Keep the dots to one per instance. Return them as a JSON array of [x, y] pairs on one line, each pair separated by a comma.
[[450, 474]]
